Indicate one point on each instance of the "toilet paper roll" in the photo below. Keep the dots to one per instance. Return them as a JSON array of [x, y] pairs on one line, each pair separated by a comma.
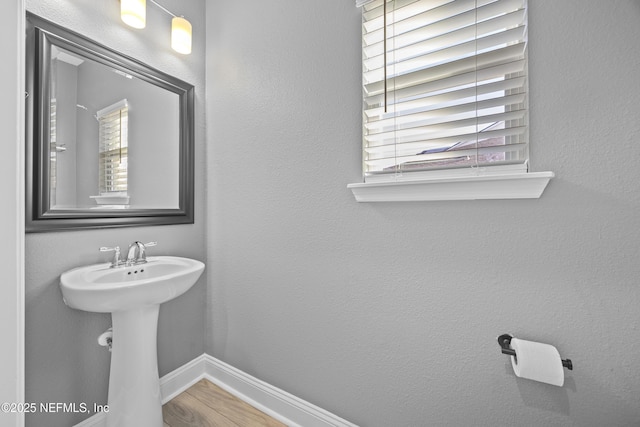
[[537, 361]]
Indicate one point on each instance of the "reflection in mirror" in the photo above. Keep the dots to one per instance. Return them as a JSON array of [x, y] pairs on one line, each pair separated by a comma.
[[111, 138], [111, 146]]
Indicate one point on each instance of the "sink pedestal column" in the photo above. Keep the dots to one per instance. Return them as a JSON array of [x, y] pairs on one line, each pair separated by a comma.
[[134, 385]]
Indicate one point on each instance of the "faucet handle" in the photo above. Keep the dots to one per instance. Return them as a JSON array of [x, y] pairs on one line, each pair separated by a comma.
[[142, 256], [106, 249], [116, 256]]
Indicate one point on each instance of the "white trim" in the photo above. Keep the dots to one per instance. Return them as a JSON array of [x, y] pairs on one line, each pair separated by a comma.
[[20, 210], [65, 56], [279, 404], [284, 407], [12, 227], [177, 381], [499, 186], [111, 108]]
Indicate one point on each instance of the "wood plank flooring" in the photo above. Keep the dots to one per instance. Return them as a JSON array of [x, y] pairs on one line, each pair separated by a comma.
[[206, 405]]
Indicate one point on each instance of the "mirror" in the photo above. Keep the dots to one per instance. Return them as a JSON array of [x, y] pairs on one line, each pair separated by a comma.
[[110, 140]]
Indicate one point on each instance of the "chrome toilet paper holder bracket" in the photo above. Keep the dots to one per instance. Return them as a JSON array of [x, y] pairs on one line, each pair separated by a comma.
[[504, 341]]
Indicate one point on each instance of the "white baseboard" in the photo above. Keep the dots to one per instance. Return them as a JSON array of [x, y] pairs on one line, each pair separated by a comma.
[[284, 407], [177, 381], [271, 400]]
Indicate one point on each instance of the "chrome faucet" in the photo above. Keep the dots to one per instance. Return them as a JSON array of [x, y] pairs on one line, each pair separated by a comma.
[[137, 252], [135, 255]]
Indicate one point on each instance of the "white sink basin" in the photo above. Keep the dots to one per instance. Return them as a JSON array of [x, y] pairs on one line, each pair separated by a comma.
[[101, 289], [133, 296]]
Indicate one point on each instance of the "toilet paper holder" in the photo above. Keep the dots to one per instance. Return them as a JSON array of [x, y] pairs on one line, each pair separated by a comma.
[[504, 341]]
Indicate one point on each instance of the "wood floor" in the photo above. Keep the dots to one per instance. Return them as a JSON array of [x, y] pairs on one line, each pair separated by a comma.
[[206, 405]]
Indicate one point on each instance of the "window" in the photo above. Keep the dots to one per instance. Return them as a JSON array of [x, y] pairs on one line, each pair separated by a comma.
[[444, 91], [113, 144]]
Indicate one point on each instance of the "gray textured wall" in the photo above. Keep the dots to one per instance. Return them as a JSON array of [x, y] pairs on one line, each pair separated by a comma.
[[63, 361], [387, 314]]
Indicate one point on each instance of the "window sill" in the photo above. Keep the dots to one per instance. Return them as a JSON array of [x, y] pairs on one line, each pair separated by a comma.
[[520, 185]]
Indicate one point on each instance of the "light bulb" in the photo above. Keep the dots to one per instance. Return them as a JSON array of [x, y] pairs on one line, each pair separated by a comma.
[[181, 35], [133, 12]]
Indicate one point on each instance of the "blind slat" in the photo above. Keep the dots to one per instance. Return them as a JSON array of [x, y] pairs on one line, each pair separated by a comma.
[[443, 115], [454, 154], [445, 18], [464, 65], [431, 102], [454, 81], [438, 34], [432, 150], [453, 57], [453, 129]]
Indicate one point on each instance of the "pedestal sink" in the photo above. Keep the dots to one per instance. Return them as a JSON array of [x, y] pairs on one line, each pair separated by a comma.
[[132, 295]]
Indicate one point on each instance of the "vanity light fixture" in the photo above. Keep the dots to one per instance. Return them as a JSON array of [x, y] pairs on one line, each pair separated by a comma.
[[132, 13], [181, 35]]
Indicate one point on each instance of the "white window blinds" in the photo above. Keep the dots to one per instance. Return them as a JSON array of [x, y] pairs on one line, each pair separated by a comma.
[[444, 85], [113, 147]]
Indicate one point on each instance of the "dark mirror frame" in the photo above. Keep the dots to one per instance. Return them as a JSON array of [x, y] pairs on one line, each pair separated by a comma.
[[41, 35]]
